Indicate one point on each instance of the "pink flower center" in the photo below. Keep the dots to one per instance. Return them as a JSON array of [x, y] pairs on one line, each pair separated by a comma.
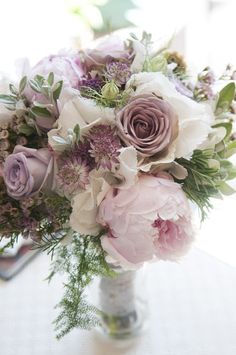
[[167, 230]]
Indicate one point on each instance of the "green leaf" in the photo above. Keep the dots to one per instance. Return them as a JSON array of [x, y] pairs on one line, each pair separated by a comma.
[[226, 189], [13, 89], [230, 149], [232, 173], [40, 111], [77, 132], [27, 130], [7, 99], [35, 86], [227, 125], [39, 79], [57, 90], [39, 104], [226, 97], [50, 79], [22, 84]]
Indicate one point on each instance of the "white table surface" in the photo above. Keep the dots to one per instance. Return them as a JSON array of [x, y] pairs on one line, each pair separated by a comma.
[[192, 304]]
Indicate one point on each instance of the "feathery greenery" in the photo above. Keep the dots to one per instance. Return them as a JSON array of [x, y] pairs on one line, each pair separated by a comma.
[[207, 176], [80, 260]]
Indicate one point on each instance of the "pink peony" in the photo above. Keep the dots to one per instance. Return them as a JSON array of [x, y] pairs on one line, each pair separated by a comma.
[[65, 67], [152, 219]]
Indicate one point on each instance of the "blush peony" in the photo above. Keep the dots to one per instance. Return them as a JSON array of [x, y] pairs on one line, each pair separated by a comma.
[[152, 219]]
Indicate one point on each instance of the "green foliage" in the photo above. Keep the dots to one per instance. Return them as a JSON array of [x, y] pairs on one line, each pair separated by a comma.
[[119, 101], [225, 98], [80, 260], [9, 242], [207, 176]]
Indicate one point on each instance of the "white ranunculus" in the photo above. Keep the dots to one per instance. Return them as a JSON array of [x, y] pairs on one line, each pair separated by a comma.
[[128, 168], [140, 56], [78, 111], [195, 119], [85, 206]]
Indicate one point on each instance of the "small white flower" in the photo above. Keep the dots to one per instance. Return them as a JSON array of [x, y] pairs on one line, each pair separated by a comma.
[[81, 111], [85, 206]]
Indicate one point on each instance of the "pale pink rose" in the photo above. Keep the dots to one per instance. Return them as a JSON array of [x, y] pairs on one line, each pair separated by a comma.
[[151, 219]]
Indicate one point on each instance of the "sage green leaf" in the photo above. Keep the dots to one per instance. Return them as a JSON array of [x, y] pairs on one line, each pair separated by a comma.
[[39, 104], [230, 149], [27, 130], [226, 97], [228, 126], [77, 132], [39, 79], [41, 111], [57, 90], [13, 89], [7, 99], [50, 78], [35, 86], [226, 189], [22, 84]]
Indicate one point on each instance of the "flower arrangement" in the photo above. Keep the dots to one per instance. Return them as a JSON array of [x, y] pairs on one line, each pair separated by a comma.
[[101, 154]]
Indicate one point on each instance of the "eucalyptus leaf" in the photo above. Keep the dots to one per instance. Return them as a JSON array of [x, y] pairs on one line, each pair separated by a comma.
[[77, 132], [35, 86], [39, 104], [57, 90], [50, 78], [13, 89], [22, 84], [40, 111], [7, 99], [230, 149], [226, 97], [39, 79], [27, 130], [231, 173], [228, 126], [226, 189]]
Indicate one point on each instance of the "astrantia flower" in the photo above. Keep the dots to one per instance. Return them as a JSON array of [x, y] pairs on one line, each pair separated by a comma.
[[92, 83], [105, 145], [73, 174], [82, 151], [119, 72]]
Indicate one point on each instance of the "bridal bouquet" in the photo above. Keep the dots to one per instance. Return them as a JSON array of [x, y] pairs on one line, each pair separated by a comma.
[[104, 152]]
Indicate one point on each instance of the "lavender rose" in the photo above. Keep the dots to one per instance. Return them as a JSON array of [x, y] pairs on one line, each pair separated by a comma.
[[148, 123], [27, 171]]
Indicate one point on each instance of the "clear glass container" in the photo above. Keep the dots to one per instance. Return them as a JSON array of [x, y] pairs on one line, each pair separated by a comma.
[[123, 304]]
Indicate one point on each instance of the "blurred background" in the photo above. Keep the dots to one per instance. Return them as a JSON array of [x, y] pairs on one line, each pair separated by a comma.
[[203, 30]]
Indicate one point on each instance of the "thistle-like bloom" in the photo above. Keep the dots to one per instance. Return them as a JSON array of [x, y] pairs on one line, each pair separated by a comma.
[[92, 83], [105, 145], [73, 174], [82, 151], [119, 72]]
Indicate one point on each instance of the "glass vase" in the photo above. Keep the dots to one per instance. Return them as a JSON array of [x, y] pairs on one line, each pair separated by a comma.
[[122, 303]]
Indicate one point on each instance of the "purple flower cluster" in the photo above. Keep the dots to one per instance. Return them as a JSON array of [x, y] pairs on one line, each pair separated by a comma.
[[73, 174], [104, 146]]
